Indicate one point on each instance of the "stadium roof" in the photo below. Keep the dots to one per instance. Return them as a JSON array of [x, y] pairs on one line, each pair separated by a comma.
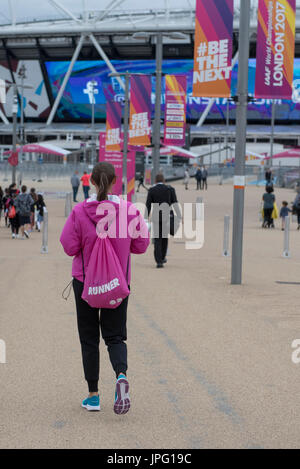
[[50, 17]]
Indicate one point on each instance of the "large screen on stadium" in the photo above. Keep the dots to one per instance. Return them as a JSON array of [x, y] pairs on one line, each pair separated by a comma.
[[76, 100]]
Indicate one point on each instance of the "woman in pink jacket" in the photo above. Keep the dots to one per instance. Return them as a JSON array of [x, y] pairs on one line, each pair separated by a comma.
[[128, 234]]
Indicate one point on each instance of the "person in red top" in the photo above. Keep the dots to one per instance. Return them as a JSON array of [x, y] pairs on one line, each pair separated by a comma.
[[86, 184]]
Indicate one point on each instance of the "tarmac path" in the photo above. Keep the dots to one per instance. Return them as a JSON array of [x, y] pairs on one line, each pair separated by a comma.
[[209, 363]]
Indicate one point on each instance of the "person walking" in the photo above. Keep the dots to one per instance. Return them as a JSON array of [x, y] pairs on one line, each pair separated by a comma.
[[186, 178], [268, 176], [75, 182], [88, 221], [5, 202], [13, 217], [1, 202], [40, 206], [141, 183], [23, 205], [268, 206], [296, 208], [85, 179], [284, 212], [198, 177], [32, 209], [204, 178], [160, 194]]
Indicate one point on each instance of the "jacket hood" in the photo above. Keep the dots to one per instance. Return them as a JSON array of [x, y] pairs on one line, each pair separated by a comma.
[[95, 214]]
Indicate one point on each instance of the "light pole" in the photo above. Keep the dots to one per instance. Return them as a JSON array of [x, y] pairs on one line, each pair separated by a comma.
[[240, 149], [272, 132], [22, 75], [127, 76], [14, 135], [94, 91]]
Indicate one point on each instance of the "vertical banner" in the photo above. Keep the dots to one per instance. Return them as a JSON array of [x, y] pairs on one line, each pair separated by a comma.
[[175, 110], [113, 126], [140, 110], [213, 48], [275, 49], [116, 159]]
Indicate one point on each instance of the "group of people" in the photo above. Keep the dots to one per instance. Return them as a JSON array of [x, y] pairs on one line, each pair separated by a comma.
[[22, 210], [75, 183], [200, 176], [270, 210]]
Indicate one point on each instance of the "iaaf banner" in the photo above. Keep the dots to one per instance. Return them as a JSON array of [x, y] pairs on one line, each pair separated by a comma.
[[213, 48], [140, 110], [113, 126], [175, 110], [116, 159], [275, 49]]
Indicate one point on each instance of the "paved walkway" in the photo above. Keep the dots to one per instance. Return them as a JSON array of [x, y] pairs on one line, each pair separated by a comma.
[[209, 364]]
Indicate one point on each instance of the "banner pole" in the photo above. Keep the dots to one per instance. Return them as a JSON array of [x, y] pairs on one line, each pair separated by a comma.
[[240, 150], [125, 143], [156, 126]]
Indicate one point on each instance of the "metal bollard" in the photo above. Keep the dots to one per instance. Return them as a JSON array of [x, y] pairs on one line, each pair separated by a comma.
[[44, 249], [68, 204], [226, 236], [286, 247]]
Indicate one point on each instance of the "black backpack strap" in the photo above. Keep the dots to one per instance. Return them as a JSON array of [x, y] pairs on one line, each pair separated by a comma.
[[82, 265]]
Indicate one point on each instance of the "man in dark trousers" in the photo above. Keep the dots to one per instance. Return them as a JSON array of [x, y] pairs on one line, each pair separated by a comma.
[[160, 194]]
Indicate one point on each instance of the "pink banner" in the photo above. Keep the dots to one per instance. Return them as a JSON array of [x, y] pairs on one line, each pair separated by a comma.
[[213, 48], [175, 110], [275, 49], [140, 110], [116, 159], [113, 126]]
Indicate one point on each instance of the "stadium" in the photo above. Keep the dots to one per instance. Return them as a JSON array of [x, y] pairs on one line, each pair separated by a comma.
[[58, 40]]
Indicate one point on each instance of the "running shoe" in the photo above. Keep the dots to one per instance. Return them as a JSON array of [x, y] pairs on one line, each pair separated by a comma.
[[122, 399], [91, 403], [26, 234]]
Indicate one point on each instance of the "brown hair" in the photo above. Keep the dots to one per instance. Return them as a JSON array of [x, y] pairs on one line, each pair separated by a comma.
[[103, 175], [159, 178]]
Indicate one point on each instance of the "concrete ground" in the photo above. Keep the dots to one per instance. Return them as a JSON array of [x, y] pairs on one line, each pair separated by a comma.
[[209, 363]]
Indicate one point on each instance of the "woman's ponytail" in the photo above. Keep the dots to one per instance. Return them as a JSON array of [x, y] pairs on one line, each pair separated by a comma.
[[103, 175]]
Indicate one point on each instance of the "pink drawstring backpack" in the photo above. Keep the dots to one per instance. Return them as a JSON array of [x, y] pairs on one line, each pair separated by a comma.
[[105, 285]]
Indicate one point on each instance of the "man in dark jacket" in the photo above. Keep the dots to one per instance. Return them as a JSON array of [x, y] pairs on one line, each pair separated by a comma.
[[198, 177], [159, 201]]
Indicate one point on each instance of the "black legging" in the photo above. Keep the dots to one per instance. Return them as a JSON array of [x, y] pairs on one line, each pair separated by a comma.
[[268, 220]]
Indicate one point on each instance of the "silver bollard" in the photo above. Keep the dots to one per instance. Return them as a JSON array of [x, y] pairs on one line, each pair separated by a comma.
[[199, 206], [44, 249], [68, 204], [286, 247], [226, 236]]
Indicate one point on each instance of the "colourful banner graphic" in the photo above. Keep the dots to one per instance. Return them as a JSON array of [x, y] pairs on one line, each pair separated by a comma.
[[175, 110], [116, 159], [275, 49], [140, 110], [113, 126], [213, 48]]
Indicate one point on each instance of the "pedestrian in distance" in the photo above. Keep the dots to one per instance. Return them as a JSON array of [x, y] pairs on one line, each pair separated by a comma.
[[23, 205], [32, 210], [186, 178], [296, 209], [13, 217], [268, 206], [198, 177], [1, 201], [204, 178], [40, 206], [284, 212], [160, 194], [75, 183], [268, 176], [5, 202], [141, 183], [85, 179], [88, 237]]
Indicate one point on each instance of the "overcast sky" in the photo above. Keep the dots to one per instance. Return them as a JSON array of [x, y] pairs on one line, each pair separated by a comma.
[[40, 9]]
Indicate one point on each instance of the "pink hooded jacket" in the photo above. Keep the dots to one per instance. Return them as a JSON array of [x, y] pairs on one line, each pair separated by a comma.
[[128, 232]]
